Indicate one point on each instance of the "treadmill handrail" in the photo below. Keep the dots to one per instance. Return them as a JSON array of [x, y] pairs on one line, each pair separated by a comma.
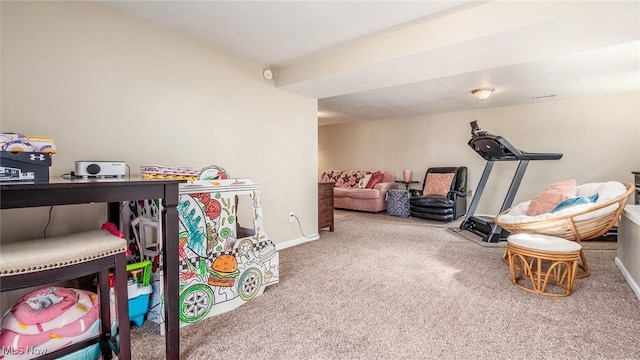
[[540, 156]]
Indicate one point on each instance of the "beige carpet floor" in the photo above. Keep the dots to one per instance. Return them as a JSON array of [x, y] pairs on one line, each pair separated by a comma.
[[382, 287]]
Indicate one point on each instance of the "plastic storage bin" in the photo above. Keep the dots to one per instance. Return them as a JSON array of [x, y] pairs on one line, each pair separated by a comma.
[[88, 353], [138, 290]]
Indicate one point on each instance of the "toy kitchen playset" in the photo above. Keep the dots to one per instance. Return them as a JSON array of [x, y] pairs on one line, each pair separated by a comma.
[[226, 258]]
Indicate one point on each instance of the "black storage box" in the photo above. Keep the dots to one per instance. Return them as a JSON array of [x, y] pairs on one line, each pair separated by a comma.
[[32, 166]]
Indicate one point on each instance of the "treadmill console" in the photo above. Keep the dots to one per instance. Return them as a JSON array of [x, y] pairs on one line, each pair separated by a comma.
[[497, 148], [475, 129], [492, 147]]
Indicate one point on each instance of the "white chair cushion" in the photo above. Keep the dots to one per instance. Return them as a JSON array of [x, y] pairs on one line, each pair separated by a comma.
[[27, 256], [607, 191], [544, 243]]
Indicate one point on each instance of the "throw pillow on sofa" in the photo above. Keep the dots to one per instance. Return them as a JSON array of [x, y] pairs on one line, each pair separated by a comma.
[[350, 178], [364, 181], [330, 175], [376, 177]]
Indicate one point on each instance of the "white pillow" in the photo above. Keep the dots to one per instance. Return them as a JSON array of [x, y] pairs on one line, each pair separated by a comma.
[[364, 181]]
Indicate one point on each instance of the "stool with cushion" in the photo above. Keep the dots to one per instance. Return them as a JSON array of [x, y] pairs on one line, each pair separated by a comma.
[[30, 263], [543, 264]]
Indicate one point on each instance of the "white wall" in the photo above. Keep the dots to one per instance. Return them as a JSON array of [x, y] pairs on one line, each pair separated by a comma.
[[598, 136], [107, 86]]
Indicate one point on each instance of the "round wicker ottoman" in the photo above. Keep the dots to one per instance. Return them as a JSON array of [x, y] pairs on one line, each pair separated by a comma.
[[542, 264]]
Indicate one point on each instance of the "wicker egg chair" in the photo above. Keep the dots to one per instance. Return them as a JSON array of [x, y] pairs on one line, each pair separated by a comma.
[[576, 226]]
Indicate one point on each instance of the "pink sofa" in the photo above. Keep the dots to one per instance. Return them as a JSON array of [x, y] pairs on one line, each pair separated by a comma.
[[351, 193]]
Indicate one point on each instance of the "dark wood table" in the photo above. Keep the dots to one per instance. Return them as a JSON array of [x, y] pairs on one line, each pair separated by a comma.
[[325, 205], [113, 192], [636, 178], [407, 183]]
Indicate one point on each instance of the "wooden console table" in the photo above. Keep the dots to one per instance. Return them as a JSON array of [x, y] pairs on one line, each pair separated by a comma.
[[325, 205], [407, 184], [636, 178], [114, 191]]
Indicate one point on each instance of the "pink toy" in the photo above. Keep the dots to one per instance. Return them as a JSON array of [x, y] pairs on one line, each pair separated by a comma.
[[40, 311], [111, 227], [48, 319]]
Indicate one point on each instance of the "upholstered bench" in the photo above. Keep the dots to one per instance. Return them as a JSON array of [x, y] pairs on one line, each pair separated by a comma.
[[542, 264], [43, 261]]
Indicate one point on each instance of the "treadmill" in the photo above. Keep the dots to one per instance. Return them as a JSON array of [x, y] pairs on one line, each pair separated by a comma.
[[496, 148]]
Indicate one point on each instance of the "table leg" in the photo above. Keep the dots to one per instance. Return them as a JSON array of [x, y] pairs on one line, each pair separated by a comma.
[[121, 297], [122, 303], [171, 271]]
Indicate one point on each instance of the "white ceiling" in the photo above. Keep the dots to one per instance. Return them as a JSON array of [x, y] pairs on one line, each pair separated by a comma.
[[368, 60]]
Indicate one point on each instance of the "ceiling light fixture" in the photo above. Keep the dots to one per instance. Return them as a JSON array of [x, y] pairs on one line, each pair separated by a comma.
[[482, 93], [267, 74]]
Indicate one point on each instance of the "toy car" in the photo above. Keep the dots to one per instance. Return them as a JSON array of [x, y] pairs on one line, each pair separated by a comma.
[[16, 142]]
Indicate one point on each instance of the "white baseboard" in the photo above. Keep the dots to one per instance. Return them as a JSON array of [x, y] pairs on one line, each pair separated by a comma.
[[625, 273], [297, 241]]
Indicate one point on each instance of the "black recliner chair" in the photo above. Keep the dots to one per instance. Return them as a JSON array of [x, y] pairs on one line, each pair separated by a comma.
[[441, 207]]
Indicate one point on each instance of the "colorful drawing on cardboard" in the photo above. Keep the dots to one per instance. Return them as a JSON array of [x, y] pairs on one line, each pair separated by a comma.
[[222, 265]]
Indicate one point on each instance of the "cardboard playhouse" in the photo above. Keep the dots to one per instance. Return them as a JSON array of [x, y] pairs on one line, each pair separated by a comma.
[[226, 258]]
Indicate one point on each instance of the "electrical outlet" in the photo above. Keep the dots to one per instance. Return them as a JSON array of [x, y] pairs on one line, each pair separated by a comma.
[[291, 217]]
